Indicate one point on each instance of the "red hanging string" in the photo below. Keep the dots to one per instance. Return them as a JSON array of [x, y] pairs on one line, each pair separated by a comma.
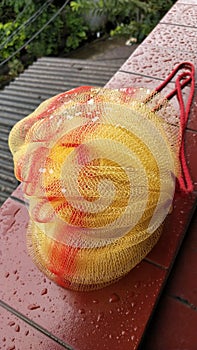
[[186, 77]]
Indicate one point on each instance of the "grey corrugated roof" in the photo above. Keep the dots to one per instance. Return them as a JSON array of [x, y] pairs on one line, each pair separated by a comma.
[[44, 78]]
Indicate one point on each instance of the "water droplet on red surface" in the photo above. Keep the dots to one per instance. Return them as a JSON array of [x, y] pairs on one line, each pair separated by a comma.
[[95, 301], [114, 298], [100, 317], [17, 328], [44, 291], [33, 307], [138, 284], [81, 311]]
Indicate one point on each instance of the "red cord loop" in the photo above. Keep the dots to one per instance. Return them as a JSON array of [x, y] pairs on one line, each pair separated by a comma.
[[186, 77]]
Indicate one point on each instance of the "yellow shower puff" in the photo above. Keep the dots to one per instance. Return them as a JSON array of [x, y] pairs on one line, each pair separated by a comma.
[[98, 168]]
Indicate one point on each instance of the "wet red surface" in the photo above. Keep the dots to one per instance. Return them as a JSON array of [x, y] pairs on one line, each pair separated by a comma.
[[156, 61], [182, 13], [178, 38], [115, 317], [182, 283], [16, 334], [176, 225], [18, 193], [187, 2], [173, 327]]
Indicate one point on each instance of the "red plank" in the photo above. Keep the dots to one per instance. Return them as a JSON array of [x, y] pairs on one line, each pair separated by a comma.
[[175, 227], [183, 281], [173, 36], [16, 334], [156, 61], [173, 327], [182, 14]]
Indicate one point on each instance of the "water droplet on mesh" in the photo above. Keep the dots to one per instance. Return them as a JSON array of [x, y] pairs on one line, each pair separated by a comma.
[[90, 102]]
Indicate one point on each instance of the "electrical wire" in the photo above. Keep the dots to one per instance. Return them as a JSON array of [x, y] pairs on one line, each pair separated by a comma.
[[36, 34], [28, 21]]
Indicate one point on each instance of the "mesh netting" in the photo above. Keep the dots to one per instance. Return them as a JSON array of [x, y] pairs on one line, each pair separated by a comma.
[[98, 168]]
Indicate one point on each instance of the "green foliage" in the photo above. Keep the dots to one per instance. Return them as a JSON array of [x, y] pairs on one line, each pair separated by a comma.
[[133, 18], [16, 6], [76, 29], [16, 41], [19, 23], [49, 40], [15, 67]]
